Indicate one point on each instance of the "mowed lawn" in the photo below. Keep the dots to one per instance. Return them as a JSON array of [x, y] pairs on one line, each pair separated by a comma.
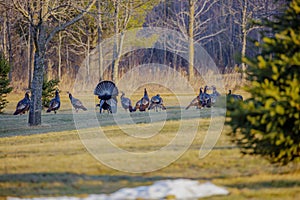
[[50, 160]]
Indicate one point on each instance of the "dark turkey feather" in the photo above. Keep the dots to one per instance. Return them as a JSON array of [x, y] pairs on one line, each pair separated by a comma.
[[143, 103], [156, 102], [54, 103], [23, 105], [106, 90], [156, 99], [104, 106], [235, 97], [146, 97]]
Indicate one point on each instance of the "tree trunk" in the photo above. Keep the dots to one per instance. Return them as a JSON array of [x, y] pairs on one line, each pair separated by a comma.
[[59, 56], [30, 56], [35, 111], [99, 47], [191, 38], [115, 63], [68, 62], [88, 59], [118, 57], [164, 42], [174, 64], [244, 35], [7, 42], [5, 50], [49, 73], [10, 54]]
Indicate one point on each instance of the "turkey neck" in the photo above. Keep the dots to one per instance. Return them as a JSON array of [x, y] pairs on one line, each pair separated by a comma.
[[26, 96], [205, 89], [57, 96]]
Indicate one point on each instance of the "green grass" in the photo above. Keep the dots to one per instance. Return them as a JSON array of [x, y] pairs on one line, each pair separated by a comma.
[[50, 160]]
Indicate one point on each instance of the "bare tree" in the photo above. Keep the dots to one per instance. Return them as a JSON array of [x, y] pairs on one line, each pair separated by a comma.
[[123, 12], [30, 57], [99, 32], [191, 37], [121, 20], [7, 41], [43, 16], [189, 17], [83, 38], [244, 12], [224, 38]]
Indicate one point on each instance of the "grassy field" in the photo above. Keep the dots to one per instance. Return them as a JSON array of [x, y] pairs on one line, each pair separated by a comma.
[[50, 160]]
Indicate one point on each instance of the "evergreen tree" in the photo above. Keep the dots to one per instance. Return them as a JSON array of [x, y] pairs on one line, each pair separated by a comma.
[[49, 88], [268, 123], [4, 82]]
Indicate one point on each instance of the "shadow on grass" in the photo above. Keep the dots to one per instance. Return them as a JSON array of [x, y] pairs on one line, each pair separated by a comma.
[[282, 183], [69, 184], [58, 184], [63, 121]]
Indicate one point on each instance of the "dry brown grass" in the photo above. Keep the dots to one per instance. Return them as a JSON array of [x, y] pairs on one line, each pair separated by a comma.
[[56, 163], [51, 160]]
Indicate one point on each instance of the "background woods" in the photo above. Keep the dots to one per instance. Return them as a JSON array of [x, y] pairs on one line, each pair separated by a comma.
[[223, 27]]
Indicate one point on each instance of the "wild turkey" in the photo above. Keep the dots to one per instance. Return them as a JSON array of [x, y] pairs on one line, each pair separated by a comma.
[[126, 102], [76, 103], [106, 105], [54, 104], [205, 98], [235, 97], [23, 105], [107, 92], [215, 95], [156, 102], [143, 103], [197, 101]]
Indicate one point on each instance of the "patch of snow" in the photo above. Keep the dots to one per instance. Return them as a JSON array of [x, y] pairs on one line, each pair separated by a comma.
[[179, 188]]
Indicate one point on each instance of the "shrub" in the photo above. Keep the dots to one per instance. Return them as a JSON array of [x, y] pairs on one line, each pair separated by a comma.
[[4, 82], [48, 92]]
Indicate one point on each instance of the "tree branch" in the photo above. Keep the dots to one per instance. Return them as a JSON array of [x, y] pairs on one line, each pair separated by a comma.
[[69, 23], [19, 8], [210, 35]]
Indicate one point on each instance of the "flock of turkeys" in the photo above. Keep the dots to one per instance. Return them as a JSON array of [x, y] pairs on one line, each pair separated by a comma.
[[107, 93]]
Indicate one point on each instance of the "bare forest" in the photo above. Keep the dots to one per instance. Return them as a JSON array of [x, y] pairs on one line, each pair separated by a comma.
[[73, 29]]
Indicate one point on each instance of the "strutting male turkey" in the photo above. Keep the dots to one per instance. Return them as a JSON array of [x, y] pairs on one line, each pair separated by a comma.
[[23, 105], [143, 103], [54, 104], [235, 97], [157, 102], [76, 103], [107, 93], [126, 102]]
